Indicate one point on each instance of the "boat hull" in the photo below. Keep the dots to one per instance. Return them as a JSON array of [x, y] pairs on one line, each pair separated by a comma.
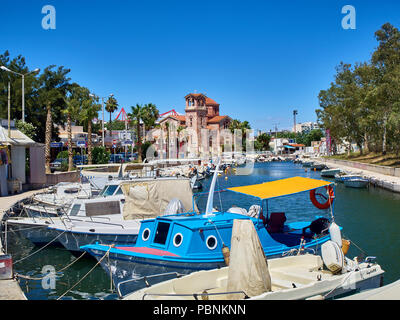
[[38, 234], [72, 241], [330, 173], [356, 183], [124, 269]]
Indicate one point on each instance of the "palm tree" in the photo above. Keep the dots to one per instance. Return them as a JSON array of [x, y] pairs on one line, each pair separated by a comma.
[[73, 102], [166, 125], [137, 116], [51, 93], [179, 130], [150, 116], [90, 109], [111, 106]]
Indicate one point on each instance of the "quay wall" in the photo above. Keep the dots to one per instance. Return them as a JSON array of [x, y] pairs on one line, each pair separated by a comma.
[[54, 178], [390, 171]]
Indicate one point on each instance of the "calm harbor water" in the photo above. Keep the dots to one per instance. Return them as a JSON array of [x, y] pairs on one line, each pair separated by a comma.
[[370, 219]]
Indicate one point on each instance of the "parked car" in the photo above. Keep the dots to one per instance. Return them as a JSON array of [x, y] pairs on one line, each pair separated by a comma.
[[116, 158], [56, 165], [80, 160]]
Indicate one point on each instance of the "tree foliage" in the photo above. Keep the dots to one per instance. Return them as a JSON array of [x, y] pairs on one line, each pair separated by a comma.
[[362, 105]]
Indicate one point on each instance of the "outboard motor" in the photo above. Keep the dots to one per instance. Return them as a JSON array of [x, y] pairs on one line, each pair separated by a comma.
[[318, 226]]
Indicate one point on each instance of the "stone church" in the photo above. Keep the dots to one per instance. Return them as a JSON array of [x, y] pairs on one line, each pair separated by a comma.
[[200, 124]]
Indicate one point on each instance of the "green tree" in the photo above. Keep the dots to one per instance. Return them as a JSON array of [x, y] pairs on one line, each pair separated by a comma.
[[262, 142], [26, 128], [111, 106], [90, 110], [136, 117], [101, 155], [73, 101], [150, 116], [51, 93]]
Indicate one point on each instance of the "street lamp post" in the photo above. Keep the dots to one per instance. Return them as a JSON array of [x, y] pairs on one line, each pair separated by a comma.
[[102, 122], [23, 86]]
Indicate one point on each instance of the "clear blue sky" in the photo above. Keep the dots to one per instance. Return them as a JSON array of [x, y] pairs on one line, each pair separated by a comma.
[[258, 59]]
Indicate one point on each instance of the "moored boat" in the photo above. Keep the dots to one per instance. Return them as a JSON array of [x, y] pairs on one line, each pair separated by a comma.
[[142, 199], [356, 182], [302, 276], [330, 172], [190, 241]]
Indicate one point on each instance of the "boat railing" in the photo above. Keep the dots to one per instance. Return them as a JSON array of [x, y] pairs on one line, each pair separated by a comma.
[[177, 274], [101, 222], [195, 295]]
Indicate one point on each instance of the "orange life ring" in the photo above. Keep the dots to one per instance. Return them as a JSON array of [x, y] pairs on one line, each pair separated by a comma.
[[329, 201]]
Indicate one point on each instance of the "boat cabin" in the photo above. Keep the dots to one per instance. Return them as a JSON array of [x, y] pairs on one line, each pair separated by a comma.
[[203, 236]]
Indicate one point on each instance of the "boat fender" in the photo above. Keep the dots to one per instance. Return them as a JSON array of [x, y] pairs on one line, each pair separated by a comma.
[[226, 254], [335, 234], [332, 256]]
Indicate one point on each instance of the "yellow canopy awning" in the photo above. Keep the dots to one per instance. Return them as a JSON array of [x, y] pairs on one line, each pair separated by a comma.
[[281, 188]]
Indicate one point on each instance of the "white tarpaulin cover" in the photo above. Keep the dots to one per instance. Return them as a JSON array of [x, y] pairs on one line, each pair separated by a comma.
[[150, 198], [248, 267]]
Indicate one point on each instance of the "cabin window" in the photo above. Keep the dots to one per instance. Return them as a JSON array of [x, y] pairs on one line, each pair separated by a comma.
[[178, 239], [75, 210], [146, 234], [211, 242], [161, 233], [119, 191], [110, 190]]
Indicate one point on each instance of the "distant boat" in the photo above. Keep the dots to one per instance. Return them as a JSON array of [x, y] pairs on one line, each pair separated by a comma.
[[307, 164], [330, 172], [341, 177], [318, 167], [356, 182]]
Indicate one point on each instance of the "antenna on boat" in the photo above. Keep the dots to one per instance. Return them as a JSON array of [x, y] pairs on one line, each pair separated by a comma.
[[210, 200]]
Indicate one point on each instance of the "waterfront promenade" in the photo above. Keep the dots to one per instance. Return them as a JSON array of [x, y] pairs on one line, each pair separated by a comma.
[[10, 289]]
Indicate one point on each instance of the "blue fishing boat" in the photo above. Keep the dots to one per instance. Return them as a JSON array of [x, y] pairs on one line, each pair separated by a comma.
[[191, 241]]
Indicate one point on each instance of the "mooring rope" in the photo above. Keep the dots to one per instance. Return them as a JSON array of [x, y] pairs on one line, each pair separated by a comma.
[[59, 271], [40, 248], [98, 262]]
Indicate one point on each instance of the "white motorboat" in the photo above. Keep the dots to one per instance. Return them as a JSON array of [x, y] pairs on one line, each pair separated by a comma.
[[142, 198], [330, 173], [33, 226], [63, 193], [301, 276], [356, 182]]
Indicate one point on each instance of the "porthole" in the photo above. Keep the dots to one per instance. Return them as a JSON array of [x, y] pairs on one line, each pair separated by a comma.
[[146, 234], [178, 239], [211, 242]]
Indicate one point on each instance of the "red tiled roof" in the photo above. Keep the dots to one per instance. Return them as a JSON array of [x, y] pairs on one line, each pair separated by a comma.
[[217, 119], [296, 145], [180, 118], [210, 101]]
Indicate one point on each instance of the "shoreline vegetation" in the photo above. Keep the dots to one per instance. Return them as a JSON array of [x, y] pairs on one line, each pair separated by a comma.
[[362, 104]]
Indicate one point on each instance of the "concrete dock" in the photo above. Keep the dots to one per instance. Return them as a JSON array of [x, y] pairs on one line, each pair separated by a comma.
[[378, 176], [10, 289]]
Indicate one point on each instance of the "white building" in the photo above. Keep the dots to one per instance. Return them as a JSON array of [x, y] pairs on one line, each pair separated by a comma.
[[14, 146], [306, 127]]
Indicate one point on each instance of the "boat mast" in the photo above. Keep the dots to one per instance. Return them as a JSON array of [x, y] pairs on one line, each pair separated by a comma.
[[210, 200]]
